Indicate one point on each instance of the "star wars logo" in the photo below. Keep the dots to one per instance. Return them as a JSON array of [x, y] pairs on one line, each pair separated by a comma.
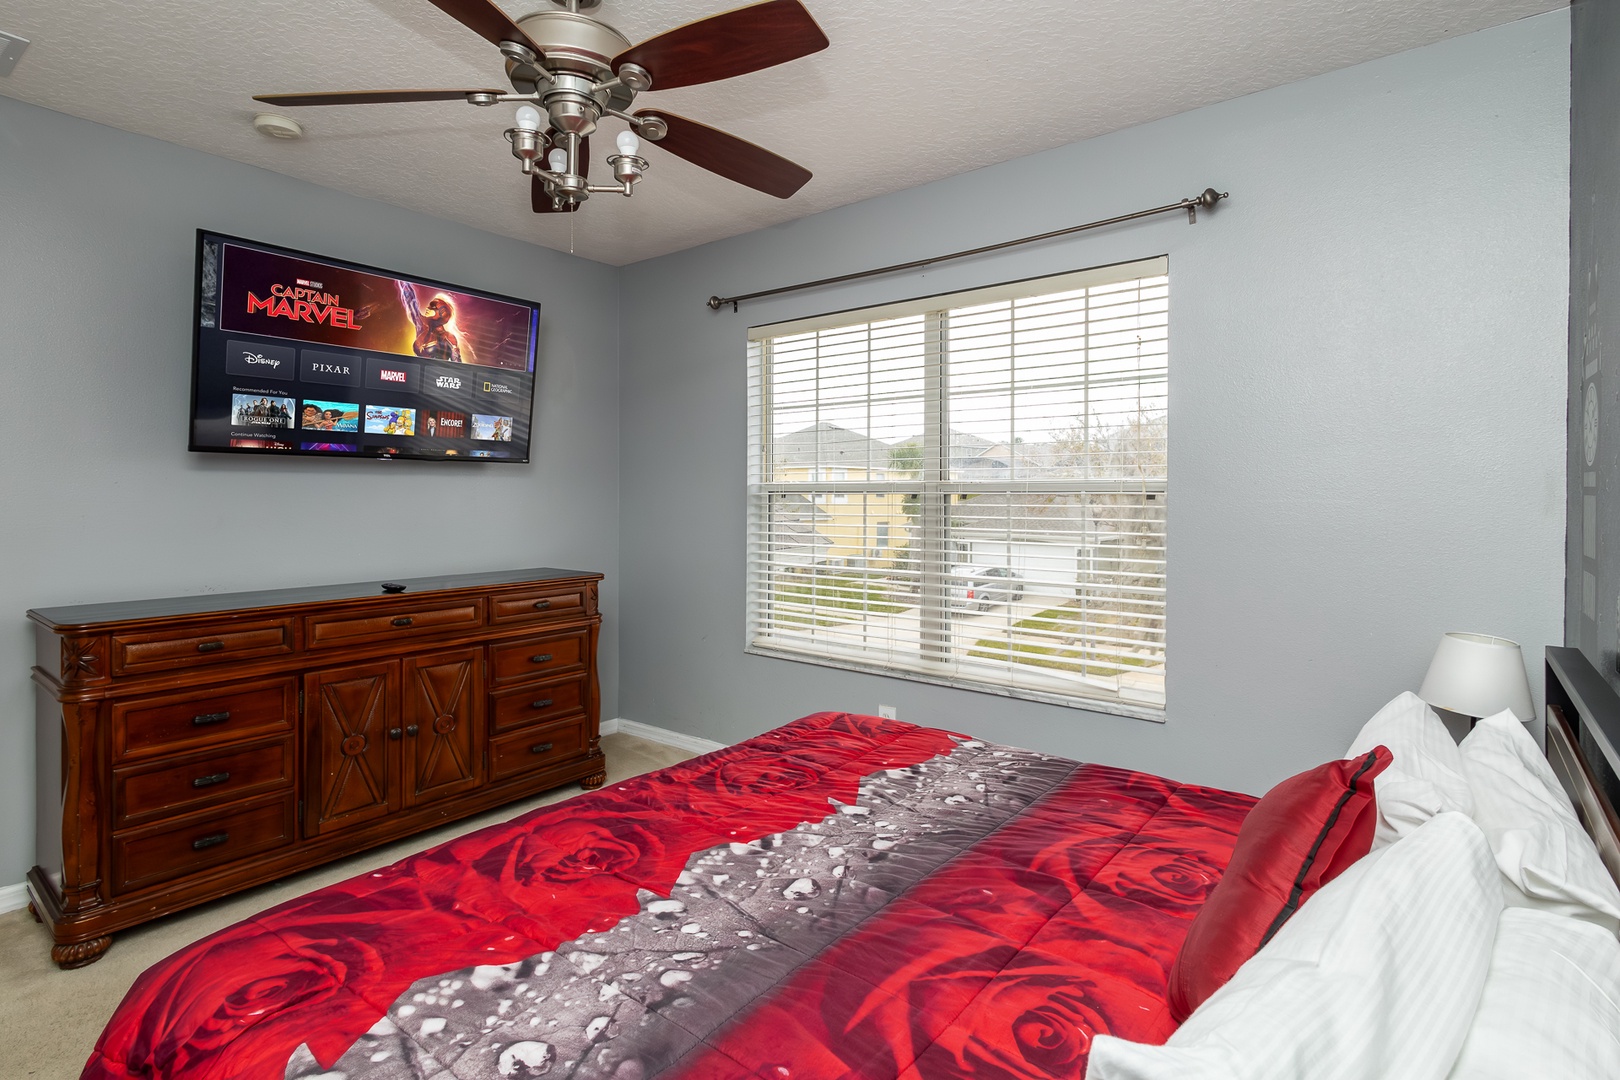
[[447, 382]]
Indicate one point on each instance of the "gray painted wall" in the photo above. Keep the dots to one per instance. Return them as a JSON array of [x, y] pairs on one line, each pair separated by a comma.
[[1367, 404], [1592, 611], [102, 501]]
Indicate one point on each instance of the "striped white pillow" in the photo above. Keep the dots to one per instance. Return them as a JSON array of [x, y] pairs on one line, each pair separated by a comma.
[[1426, 776], [1546, 858], [1377, 976], [1551, 1005]]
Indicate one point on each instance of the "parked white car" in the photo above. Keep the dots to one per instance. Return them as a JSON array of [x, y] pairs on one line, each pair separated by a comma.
[[983, 587]]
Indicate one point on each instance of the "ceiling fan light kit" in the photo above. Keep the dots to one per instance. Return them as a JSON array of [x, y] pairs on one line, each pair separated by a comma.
[[569, 70]]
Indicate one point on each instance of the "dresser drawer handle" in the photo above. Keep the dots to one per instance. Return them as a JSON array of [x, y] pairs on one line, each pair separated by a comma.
[[540, 748], [209, 841], [204, 719], [541, 605], [394, 733], [403, 620], [210, 646], [211, 779], [543, 658], [411, 730], [543, 703]]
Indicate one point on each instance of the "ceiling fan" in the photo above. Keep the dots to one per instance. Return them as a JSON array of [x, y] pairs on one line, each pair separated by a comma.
[[569, 70]]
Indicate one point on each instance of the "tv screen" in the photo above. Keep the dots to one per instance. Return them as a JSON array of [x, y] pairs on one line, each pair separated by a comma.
[[299, 354]]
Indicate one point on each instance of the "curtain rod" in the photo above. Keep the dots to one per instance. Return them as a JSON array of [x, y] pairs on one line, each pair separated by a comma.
[[1207, 199]]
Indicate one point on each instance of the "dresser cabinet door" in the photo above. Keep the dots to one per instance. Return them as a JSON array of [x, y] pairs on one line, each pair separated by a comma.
[[444, 724], [354, 739]]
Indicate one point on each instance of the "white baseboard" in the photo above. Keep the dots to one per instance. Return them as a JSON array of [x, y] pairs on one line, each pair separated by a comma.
[[662, 736], [13, 897]]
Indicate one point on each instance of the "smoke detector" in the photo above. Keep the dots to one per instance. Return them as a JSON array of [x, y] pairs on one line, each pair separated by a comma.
[[277, 127]]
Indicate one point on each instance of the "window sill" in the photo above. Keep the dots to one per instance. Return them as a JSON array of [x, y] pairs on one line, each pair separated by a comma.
[[1107, 706]]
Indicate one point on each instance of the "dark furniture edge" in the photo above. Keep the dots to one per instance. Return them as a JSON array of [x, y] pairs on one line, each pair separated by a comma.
[[1583, 736], [79, 615]]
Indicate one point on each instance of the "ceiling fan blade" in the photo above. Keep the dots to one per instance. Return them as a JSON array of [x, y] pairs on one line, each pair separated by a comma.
[[540, 199], [368, 97], [728, 156], [486, 20], [729, 44]]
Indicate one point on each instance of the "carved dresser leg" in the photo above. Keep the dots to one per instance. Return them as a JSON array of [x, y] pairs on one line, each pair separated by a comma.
[[595, 780], [80, 953], [34, 911]]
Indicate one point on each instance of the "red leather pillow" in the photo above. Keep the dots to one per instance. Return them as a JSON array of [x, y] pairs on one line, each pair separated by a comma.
[[1304, 833]]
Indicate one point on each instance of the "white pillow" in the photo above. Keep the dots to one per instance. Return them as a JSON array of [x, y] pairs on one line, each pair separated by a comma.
[[1551, 1005], [1378, 975], [1426, 776], [1546, 858]]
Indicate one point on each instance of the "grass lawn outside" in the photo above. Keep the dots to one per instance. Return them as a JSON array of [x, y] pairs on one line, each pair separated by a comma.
[[1044, 651], [815, 598]]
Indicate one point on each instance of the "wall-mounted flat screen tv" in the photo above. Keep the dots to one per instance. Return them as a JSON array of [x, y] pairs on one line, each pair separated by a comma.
[[296, 354]]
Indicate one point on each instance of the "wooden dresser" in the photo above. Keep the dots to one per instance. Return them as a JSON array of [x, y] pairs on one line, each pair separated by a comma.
[[192, 747]]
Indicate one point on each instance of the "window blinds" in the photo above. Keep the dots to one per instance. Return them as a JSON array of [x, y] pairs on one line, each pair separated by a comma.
[[970, 489]]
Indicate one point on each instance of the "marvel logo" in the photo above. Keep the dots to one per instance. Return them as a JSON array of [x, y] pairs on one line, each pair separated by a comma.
[[391, 375], [447, 382]]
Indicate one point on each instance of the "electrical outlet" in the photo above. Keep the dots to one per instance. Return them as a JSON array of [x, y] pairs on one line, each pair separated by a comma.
[[888, 712]]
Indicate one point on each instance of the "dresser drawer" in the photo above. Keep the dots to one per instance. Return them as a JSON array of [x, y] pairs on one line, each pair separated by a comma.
[[143, 857], [537, 605], [136, 653], [173, 786], [534, 658], [403, 622], [526, 751], [538, 704], [176, 722]]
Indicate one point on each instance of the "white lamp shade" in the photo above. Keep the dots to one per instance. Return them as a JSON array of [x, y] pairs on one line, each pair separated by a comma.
[[1478, 675]]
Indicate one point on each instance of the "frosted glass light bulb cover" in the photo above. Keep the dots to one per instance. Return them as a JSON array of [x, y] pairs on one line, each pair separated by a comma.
[[628, 143], [558, 159], [528, 118]]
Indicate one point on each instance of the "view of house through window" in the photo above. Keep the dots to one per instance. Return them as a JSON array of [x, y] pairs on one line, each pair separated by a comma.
[[970, 489]]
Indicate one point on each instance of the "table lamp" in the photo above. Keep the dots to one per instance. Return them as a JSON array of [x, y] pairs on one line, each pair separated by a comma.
[[1478, 675]]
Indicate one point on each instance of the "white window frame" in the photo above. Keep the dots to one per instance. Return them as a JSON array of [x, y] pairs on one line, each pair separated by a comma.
[[934, 489]]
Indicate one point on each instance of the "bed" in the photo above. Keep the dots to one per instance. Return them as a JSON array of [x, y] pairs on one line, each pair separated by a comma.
[[841, 896]]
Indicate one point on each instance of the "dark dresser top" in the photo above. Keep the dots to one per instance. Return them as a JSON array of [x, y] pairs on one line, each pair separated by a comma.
[[89, 614]]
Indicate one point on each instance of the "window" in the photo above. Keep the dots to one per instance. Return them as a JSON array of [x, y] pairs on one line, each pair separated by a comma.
[[1005, 526]]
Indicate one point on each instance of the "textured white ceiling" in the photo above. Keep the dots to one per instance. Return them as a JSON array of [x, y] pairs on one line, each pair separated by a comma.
[[910, 91]]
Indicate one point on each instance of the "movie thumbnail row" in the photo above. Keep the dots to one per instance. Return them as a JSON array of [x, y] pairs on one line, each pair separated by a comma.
[[272, 442], [259, 410]]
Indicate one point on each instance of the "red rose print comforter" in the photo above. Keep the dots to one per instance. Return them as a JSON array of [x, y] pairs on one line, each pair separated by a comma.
[[843, 896]]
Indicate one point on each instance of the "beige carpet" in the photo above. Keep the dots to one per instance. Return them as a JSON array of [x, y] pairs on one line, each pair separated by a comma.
[[51, 1018]]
